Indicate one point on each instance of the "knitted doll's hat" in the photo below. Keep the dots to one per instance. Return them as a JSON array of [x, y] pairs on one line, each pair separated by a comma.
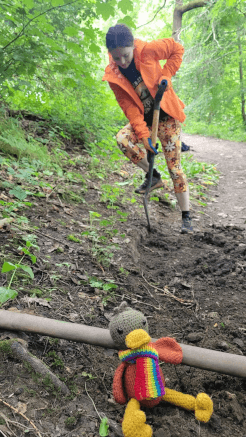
[[125, 321]]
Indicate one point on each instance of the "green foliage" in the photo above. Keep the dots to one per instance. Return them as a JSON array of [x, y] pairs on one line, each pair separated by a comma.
[[8, 293], [51, 60], [106, 286], [13, 142], [103, 430], [209, 81], [101, 246], [73, 238], [56, 360], [8, 266]]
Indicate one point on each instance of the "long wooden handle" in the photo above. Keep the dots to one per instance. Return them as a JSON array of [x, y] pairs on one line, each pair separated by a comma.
[[156, 115], [155, 125]]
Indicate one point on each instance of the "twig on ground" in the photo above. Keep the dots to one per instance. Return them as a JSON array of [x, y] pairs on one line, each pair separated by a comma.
[[148, 304], [23, 415], [153, 297], [124, 296], [6, 419], [40, 233], [166, 292], [92, 402], [49, 236]]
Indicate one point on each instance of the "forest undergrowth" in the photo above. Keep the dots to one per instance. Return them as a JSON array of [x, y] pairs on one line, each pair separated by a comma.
[[73, 246]]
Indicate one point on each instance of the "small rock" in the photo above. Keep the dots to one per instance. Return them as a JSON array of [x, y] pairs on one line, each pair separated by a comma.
[[19, 391], [213, 315], [161, 432], [231, 395], [186, 285], [108, 315], [74, 317], [237, 410], [238, 342], [215, 422], [222, 345], [109, 352], [194, 337]]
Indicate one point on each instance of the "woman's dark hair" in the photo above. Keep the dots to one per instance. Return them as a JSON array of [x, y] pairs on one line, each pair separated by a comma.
[[119, 36]]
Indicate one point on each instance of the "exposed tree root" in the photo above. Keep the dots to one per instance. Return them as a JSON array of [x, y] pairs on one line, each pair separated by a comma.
[[16, 347]]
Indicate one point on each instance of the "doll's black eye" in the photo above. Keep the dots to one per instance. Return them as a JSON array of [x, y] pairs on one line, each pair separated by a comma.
[[120, 331], [144, 322]]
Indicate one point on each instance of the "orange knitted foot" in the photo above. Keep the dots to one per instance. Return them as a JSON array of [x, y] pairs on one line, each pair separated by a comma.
[[133, 424]]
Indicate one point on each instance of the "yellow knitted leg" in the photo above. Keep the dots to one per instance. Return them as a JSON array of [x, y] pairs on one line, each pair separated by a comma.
[[180, 399], [202, 404], [133, 424]]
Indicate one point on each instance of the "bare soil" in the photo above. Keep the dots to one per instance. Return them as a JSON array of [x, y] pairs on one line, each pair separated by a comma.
[[205, 273]]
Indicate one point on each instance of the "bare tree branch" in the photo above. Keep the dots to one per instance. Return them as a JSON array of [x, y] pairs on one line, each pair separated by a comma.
[[160, 8], [192, 5]]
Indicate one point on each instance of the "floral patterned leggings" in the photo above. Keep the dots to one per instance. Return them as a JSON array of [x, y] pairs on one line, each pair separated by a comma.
[[169, 136]]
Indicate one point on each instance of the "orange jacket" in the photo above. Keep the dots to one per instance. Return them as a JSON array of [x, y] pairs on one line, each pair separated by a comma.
[[146, 57]]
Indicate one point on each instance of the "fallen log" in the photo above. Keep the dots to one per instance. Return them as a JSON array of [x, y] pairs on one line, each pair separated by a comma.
[[215, 361]]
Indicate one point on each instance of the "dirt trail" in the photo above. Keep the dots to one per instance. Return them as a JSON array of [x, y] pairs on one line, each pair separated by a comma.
[[230, 159], [191, 287]]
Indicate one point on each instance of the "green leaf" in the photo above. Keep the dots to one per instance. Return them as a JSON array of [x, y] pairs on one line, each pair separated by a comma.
[[125, 5], [105, 222], [108, 287], [26, 269], [127, 21], [7, 267], [94, 48], [74, 47], [94, 214], [71, 31], [7, 293], [103, 430], [69, 82], [28, 3], [26, 251], [105, 10], [18, 193], [123, 183], [57, 2], [51, 43], [96, 284], [89, 32]]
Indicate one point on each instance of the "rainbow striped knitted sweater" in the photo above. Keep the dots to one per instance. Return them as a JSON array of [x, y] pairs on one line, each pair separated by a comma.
[[148, 382]]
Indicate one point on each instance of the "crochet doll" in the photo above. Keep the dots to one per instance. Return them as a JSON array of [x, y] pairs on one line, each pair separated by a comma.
[[139, 380]]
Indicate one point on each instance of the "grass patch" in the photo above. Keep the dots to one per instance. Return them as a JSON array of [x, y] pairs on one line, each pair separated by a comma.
[[13, 142]]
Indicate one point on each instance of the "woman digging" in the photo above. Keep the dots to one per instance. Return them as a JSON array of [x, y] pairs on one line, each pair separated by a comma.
[[134, 73]]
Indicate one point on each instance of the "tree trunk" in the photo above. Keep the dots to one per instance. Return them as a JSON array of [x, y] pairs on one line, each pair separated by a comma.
[[179, 10], [241, 78]]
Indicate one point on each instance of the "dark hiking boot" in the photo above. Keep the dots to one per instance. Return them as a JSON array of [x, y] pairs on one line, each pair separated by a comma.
[[156, 183], [184, 147], [187, 227]]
